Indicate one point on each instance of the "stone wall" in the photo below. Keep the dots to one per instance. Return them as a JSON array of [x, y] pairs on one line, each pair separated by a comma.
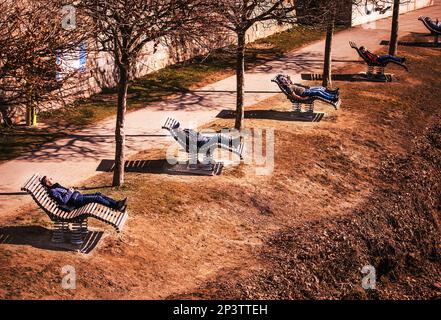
[[351, 15], [100, 71], [364, 14]]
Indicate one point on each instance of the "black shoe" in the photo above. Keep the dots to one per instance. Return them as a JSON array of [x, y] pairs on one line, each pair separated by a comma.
[[121, 205], [336, 103], [124, 205]]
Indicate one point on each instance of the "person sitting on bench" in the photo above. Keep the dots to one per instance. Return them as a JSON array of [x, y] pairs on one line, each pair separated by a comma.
[[305, 93], [380, 60], [69, 199]]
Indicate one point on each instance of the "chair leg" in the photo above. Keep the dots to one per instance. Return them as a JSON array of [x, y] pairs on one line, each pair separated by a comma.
[[381, 71], [311, 107], [84, 227], [60, 229], [208, 159], [297, 107], [77, 233], [192, 160]]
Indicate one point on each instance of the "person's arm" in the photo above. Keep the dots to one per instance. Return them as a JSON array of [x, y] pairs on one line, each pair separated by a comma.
[[299, 97], [374, 57], [296, 96], [302, 85], [354, 46], [60, 195]]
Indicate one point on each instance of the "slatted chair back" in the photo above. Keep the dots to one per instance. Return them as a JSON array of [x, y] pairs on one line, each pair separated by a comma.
[[41, 196], [172, 125]]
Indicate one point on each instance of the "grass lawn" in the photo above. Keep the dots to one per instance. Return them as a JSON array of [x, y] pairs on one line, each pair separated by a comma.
[[154, 87], [360, 187]]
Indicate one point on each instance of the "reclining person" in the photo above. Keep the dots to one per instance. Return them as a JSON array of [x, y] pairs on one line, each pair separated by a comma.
[[433, 25], [203, 144], [305, 93], [69, 199], [381, 60]]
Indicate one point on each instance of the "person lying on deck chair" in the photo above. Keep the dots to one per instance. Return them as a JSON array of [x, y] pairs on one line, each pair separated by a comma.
[[432, 23], [69, 199], [300, 92], [202, 141], [379, 59]]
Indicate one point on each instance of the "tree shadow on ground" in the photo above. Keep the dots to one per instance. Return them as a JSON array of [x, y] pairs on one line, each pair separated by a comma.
[[414, 44], [348, 77], [62, 147], [156, 166], [275, 115]]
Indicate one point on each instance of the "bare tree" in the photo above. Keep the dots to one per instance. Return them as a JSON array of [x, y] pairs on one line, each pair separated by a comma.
[[393, 44], [330, 19], [123, 28], [31, 34], [329, 11], [238, 17]]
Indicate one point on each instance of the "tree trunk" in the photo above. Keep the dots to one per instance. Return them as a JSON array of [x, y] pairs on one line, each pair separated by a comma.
[[5, 116], [240, 74], [120, 137], [31, 114], [327, 66], [393, 44]]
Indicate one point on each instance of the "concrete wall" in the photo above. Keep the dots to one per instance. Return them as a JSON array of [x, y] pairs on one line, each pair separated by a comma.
[[100, 71], [360, 15]]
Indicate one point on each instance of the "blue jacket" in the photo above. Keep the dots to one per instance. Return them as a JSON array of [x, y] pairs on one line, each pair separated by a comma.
[[61, 194]]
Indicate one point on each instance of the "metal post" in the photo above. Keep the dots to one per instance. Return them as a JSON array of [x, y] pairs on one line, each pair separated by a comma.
[[84, 227], [297, 107], [192, 160], [382, 69], [77, 235], [208, 157], [59, 231]]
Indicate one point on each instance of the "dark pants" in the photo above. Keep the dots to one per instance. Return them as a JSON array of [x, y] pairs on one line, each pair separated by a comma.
[[388, 58], [321, 92], [83, 199]]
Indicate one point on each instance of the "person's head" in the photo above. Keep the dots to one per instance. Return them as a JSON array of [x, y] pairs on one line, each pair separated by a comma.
[[362, 49], [47, 181], [285, 80]]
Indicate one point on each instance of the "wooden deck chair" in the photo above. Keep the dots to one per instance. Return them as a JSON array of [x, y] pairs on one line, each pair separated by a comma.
[[182, 137], [297, 104], [77, 217], [432, 26], [375, 68]]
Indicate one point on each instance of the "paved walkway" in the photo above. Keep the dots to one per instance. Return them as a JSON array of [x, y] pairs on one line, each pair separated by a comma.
[[74, 159]]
